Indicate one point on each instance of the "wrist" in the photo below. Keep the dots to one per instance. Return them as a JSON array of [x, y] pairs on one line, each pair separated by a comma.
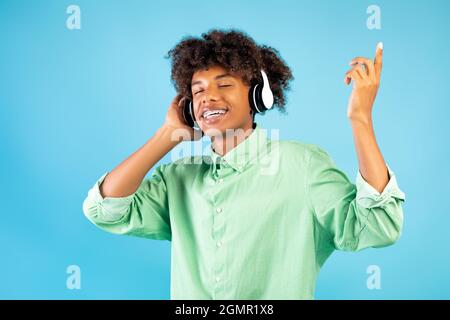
[[168, 133]]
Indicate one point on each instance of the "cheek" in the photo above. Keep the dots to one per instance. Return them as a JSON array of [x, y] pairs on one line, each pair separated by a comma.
[[239, 101]]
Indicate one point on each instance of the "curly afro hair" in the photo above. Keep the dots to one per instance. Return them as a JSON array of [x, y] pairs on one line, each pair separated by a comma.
[[235, 51]]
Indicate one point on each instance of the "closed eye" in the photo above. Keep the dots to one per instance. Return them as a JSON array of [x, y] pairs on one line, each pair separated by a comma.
[[221, 86]]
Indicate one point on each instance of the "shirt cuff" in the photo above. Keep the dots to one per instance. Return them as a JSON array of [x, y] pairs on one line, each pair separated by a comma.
[[113, 209], [368, 197]]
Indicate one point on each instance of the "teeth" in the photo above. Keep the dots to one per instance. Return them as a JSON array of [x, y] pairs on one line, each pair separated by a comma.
[[209, 113]]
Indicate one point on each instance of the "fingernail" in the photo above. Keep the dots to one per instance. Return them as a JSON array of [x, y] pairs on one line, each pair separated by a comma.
[[380, 45]]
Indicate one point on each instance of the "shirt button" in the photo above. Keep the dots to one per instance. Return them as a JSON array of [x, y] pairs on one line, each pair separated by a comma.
[[217, 279], [219, 244], [220, 180], [219, 210]]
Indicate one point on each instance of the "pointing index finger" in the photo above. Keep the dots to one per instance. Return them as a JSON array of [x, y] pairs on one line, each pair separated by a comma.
[[378, 58]]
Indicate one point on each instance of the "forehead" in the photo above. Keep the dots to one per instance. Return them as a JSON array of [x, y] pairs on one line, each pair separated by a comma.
[[210, 73]]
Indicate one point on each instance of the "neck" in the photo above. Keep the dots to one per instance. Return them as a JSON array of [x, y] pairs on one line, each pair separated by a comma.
[[228, 140]]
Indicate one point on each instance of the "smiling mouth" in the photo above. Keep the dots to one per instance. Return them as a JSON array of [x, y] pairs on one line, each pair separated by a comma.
[[211, 114]]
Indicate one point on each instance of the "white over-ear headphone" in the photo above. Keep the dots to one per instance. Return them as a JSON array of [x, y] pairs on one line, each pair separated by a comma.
[[260, 95]]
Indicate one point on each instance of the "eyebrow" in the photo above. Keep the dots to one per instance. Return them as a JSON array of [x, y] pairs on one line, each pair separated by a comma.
[[215, 78]]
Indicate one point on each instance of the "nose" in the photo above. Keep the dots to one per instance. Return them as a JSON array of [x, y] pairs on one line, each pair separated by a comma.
[[210, 94]]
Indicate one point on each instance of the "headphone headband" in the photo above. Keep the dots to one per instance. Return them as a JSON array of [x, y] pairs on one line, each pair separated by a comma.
[[266, 94]]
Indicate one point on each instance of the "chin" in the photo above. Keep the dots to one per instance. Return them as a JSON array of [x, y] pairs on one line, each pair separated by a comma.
[[220, 127], [214, 130]]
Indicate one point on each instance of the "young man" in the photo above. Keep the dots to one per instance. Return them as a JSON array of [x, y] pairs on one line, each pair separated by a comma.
[[239, 230]]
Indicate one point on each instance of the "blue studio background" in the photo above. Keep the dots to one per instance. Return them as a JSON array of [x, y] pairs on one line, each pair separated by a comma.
[[75, 103]]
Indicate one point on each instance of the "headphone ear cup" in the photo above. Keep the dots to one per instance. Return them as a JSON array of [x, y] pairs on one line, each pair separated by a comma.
[[251, 100], [188, 113], [255, 98]]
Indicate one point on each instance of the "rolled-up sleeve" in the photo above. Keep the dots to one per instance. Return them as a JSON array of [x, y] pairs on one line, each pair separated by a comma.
[[144, 213], [352, 217], [368, 197]]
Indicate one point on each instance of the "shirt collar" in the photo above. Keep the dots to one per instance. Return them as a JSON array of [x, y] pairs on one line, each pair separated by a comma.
[[244, 153]]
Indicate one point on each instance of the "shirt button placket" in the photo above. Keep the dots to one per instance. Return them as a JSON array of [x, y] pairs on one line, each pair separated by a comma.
[[219, 265]]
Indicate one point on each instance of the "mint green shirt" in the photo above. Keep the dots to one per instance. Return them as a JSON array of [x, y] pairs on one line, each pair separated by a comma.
[[257, 223]]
